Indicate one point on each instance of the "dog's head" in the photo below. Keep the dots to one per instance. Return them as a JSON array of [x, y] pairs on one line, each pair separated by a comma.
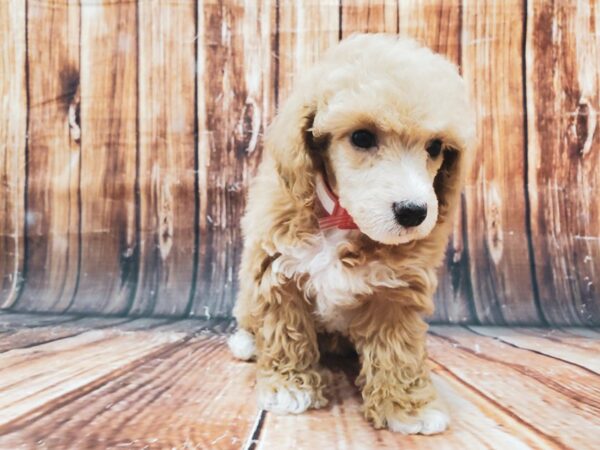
[[388, 123]]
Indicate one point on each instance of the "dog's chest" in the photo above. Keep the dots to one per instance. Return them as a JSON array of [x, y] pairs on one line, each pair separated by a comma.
[[334, 286]]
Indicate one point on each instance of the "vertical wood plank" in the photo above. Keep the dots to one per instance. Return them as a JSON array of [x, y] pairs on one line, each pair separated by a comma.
[[53, 156], [306, 30], [492, 66], [13, 130], [563, 102], [109, 223], [435, 23], [167, 34], [438, 25], [369, 16], [235, 95], [136, 202]]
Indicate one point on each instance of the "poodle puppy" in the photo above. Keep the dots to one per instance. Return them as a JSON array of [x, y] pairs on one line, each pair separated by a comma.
[[347, 220]]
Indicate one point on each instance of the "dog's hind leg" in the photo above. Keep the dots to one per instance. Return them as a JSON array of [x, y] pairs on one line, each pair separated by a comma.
[[254, 263], [242, 345]]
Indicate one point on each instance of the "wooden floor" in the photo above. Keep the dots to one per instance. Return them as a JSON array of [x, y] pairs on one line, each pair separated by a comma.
[[77, 383]]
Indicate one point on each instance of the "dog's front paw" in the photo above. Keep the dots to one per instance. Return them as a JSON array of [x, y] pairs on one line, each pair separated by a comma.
[[282, 396], [285, 399], [429, 421]]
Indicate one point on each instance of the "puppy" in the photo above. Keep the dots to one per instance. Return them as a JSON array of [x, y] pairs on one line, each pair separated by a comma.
[[347, 220]]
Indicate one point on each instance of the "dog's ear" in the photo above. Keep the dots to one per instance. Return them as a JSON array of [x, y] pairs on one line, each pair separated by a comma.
[[294, 149], [448, 183]]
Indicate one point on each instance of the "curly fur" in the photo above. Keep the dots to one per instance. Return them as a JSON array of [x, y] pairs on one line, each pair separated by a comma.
[[373, 285]]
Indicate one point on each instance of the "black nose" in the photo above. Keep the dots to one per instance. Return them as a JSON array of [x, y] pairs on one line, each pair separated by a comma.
[[409, 214]]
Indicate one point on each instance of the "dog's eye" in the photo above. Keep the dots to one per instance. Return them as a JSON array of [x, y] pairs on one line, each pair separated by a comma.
[[363, 139], [434, 148]]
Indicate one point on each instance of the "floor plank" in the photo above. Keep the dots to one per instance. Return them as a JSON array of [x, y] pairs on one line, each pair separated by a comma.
[[559, 401], [553, 343], [573, 381], [343, 425], [193, 396], [489, 418], [12, 321], [28, 337], [591, 333], [172, 384], [34, 377]]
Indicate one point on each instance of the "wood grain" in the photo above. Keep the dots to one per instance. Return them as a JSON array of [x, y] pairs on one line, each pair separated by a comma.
[[563, 106], [144, 123], [13, 131], [166, 179], [342, 425], [369, 16], [593, 333], [129, 410], [305, 31], [496, 211], [54, 157], [151, 383], [26, 384], [234, 105], [525, 385], [28, 337], [553, 343], [578, 382], [438, 24], [13, 321], [491, 425], [435, 23], [109, 211]]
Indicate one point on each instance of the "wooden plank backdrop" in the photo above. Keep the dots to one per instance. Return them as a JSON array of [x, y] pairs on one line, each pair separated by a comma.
[[13, 132], [129, 132]]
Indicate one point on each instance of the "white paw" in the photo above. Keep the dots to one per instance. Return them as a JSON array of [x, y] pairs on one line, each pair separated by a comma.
[[430, 421], [284, 399], [242, 345]]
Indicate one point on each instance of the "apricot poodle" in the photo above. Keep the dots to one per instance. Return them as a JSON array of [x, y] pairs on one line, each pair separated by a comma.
[[347, 222]]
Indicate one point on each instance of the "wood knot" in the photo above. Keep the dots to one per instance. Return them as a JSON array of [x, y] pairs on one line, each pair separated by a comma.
[[73, 117], [493, 218], [248, 127], [164, 201], [70, 98], [581, 129]]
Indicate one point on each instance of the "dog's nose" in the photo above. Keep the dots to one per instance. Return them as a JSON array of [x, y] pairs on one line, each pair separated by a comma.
[[409, 214]]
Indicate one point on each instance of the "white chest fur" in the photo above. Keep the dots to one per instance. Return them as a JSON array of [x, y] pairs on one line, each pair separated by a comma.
[[334, 286]]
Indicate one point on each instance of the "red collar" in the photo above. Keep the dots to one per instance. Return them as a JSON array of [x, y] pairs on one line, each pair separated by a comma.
[[329, 211]]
